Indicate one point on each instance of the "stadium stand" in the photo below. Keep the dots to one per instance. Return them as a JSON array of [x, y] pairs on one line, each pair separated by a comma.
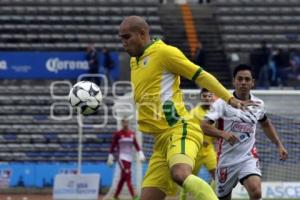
[[28, 133], [173, 27], [69, 25], [246, 23], [207, 32], [211, 38]]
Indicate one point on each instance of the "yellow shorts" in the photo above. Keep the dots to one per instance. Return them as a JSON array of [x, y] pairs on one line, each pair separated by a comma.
[[183, 138], [206, 157]]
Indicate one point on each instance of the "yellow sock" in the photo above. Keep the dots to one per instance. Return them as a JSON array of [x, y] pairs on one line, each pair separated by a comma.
[[199, 188], [213, 184], [183, 194]]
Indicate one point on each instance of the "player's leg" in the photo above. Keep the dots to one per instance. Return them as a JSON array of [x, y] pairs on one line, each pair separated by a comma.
[[183, 194], [227, 197], [226, 180], [156, 180], [120, 186], [253, 186], [250, 177], [182, 174], [213, 180], [150, 193], [182, 160], [197, 167], [127, 167], [121, 181], [210, 163]]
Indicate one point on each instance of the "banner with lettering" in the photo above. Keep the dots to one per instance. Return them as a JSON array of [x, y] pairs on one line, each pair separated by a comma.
[[47, 65]]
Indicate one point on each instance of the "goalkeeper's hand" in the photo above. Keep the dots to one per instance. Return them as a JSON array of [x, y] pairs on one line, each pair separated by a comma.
[[141, 156], [110, 159]]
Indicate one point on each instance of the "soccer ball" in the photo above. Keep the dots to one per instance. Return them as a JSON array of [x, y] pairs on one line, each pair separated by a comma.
[[85, 95]]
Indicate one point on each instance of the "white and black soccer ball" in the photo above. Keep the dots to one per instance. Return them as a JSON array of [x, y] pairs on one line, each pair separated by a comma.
[[87, 96]]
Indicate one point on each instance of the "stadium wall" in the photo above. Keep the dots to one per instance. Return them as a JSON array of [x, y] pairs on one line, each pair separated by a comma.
[[50, 65], [40, 175]]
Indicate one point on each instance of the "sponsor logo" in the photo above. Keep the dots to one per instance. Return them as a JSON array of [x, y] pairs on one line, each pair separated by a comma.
[[223, 175], [272, 190], [242, 127], [286, 191], [55, 65], [73, 187], [3, 65], [21, 68], [71, 184], [83, 187], [145, 61], [254, 152], [68, 171]]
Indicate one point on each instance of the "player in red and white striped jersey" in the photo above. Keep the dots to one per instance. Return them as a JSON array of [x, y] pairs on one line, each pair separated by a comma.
[[237, 156], [122, 144]]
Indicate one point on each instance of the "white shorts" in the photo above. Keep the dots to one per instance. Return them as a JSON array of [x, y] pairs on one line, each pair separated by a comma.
[[228, 177]]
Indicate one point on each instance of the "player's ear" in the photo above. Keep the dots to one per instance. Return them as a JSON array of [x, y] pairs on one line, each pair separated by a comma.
[[142, 31], [253, 83], [232, 81]]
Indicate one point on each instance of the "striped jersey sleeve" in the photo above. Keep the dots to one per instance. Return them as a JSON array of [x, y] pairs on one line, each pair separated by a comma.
[[177, 63]]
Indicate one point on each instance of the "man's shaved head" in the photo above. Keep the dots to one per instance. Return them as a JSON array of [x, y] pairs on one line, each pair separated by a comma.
[[134, 33], [135, 23]]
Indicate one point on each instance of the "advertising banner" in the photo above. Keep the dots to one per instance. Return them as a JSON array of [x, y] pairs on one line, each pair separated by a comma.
[[47, 65], [271, 190], [5, 177], [76, 187]]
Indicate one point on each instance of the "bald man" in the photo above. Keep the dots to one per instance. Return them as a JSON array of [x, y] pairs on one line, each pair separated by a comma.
[[155, 74]]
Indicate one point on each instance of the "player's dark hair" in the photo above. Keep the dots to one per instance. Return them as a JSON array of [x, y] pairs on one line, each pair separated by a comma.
[[203, 90], [242, 67]]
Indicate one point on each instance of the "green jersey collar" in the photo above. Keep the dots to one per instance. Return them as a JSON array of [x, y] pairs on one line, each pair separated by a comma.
[[146, 47]]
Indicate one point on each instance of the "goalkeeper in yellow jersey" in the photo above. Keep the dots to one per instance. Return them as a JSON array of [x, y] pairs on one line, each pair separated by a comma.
[[207, 155], [155, 75]]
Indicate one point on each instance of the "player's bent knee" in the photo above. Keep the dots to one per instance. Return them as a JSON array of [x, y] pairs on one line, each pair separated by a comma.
[[181, 167], [180, 172]]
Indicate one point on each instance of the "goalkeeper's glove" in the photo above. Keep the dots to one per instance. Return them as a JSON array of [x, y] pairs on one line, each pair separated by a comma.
[[110, 159], [141, 156]]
